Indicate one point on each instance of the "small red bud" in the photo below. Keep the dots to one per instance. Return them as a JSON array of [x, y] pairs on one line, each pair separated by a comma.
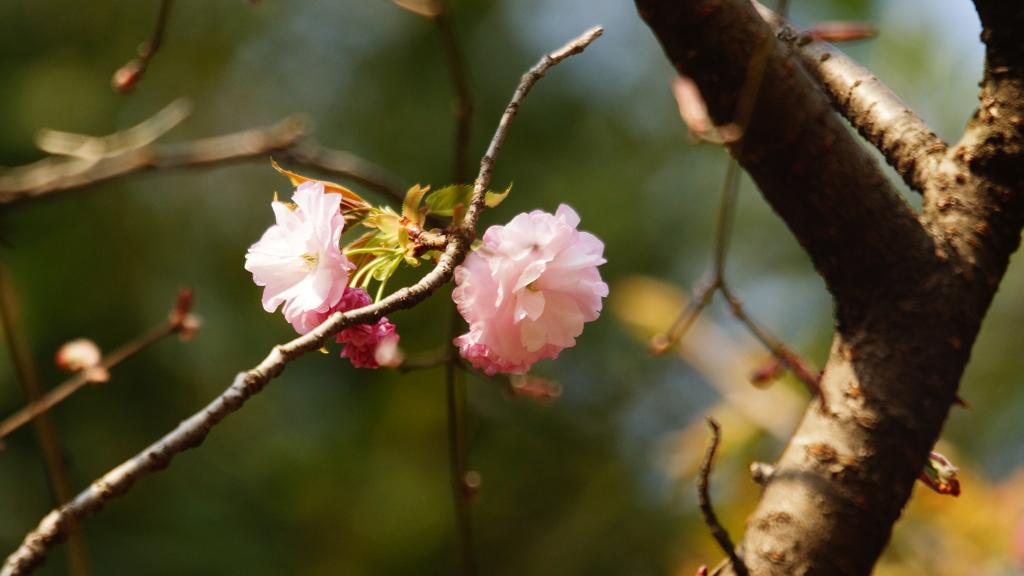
[[768, 371], [127, 77]]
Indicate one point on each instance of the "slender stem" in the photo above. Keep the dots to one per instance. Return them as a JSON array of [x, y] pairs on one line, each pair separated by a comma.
[[455, 381], [158, 33], [46, 430], [455, 392], [723, 231]]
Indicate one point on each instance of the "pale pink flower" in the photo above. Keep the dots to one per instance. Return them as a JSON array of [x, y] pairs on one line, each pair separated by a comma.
[[299, 260], [528, 290]]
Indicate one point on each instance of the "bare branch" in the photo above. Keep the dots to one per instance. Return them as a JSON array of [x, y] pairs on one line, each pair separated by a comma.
[[54, 175], [907, 142], [704, 501], [175, 324], [191, 433]]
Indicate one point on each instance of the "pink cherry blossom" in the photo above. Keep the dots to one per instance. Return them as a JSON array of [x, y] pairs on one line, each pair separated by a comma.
[[366, 346], [371, 346], [299, 260], [528, 290]]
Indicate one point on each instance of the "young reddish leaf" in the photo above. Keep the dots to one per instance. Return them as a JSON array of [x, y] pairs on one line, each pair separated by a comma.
[[536, 388], [768, 371], [940, 475], [349, 200], [842, 30], [411, 206]]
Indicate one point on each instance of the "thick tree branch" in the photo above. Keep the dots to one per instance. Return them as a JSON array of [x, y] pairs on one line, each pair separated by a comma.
[[907, 142], [858, 230], [909, 298], [190, 434], [58, 174]]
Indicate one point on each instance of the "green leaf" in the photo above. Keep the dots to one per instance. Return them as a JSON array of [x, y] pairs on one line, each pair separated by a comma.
[[410, 208], [492, 199], [388, 224], [443, 201]]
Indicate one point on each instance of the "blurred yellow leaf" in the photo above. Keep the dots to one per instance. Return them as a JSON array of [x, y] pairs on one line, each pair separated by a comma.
[[428, 8]]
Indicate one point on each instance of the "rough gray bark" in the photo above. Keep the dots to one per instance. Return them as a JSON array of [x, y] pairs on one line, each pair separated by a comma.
[[910, 290]]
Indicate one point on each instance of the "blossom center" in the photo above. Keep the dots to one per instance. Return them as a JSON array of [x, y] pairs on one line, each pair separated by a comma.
[[532, 287], [312, 260]]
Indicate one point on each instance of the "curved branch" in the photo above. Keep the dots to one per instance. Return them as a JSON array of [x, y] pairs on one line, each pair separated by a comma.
[[525, 85], [704, 501], [906, 141], [58, 174], [56, 525]]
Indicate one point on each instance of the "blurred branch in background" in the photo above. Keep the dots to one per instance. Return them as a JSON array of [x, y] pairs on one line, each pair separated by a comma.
[[129, 75], [59, 523], [455, 62], [465, 484], [46, 430], [79, 161], [180, 322], [695, 114]]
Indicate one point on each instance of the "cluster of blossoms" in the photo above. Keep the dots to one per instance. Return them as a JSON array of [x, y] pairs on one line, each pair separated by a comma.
[[526, 291], [299, 263]]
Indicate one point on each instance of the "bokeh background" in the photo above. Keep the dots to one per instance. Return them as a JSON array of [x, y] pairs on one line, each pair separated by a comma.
[[335, 470]]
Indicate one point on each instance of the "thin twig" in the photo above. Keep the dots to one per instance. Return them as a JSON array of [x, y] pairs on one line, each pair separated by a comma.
[[76, 382], [455, 396], [443, 358], [527, 82], [46, 430], [54, 175], [704, 501], [129, 75], [716, 273], [190, 434]]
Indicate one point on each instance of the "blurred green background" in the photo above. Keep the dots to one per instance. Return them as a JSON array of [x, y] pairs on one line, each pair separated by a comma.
[[335, 470]]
